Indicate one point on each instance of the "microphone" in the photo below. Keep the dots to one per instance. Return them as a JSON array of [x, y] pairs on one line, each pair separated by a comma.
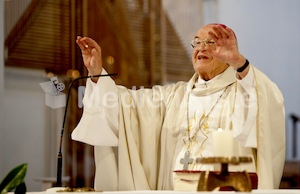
[[59, 157]]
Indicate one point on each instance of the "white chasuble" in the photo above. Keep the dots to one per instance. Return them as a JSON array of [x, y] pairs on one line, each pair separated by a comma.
[[147, 127], [207, 113]]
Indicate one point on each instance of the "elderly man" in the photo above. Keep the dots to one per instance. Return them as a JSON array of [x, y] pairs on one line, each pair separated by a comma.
[[153, 129]]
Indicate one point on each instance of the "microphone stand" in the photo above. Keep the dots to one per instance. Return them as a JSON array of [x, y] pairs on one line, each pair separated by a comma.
[[59, 157]]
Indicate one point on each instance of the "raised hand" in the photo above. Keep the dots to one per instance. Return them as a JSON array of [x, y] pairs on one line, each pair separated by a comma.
[[91, 55], [225, 48]]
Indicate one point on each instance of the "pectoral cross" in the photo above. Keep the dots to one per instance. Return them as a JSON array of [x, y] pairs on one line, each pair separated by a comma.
[[186, 160]]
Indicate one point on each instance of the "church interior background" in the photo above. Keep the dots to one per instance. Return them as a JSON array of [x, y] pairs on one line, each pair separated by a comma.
[[146, 42]]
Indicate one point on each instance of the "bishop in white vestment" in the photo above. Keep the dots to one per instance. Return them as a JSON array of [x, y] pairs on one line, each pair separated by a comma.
[[141, 136]]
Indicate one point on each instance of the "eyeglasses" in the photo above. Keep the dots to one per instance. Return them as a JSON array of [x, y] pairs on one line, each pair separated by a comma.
[[197, 43]]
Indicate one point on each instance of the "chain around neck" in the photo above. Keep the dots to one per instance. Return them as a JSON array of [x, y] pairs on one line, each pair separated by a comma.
[[203, 121]]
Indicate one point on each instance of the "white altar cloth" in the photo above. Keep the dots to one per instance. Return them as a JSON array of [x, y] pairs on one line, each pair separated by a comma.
[[278, 191]]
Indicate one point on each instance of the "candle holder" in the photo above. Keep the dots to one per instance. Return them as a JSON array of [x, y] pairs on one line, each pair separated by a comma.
[[239, 181]]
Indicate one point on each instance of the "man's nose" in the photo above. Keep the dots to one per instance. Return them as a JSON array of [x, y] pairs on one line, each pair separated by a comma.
[[201, 46]]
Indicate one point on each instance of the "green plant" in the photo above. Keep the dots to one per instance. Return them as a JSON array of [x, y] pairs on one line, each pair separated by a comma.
[[14, 180]]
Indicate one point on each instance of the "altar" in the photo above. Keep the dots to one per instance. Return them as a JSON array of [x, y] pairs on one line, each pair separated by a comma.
[[277, 191]]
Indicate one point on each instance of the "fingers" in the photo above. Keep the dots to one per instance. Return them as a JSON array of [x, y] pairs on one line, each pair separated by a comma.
[[231, 33], [86, 44], [221, 32], [228, 32], [213, 36], [224, 31], [80, 43], [90, 43]]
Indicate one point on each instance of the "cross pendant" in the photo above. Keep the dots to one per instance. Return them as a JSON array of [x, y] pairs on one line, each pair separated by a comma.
[[186, 160]]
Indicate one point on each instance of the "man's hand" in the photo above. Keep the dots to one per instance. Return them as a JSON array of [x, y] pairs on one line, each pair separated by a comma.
[[91, 55], [225, 49]]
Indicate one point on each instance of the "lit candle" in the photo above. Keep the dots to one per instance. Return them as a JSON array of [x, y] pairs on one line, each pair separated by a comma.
[[223, 143]]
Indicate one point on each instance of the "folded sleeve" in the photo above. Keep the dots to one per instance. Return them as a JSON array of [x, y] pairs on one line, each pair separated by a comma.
[[99, 123]]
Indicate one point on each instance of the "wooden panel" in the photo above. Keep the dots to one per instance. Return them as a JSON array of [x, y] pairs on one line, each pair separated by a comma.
[[41, 38]]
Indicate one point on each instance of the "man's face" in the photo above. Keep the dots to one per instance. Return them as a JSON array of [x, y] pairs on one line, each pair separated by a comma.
[[203, 62]]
